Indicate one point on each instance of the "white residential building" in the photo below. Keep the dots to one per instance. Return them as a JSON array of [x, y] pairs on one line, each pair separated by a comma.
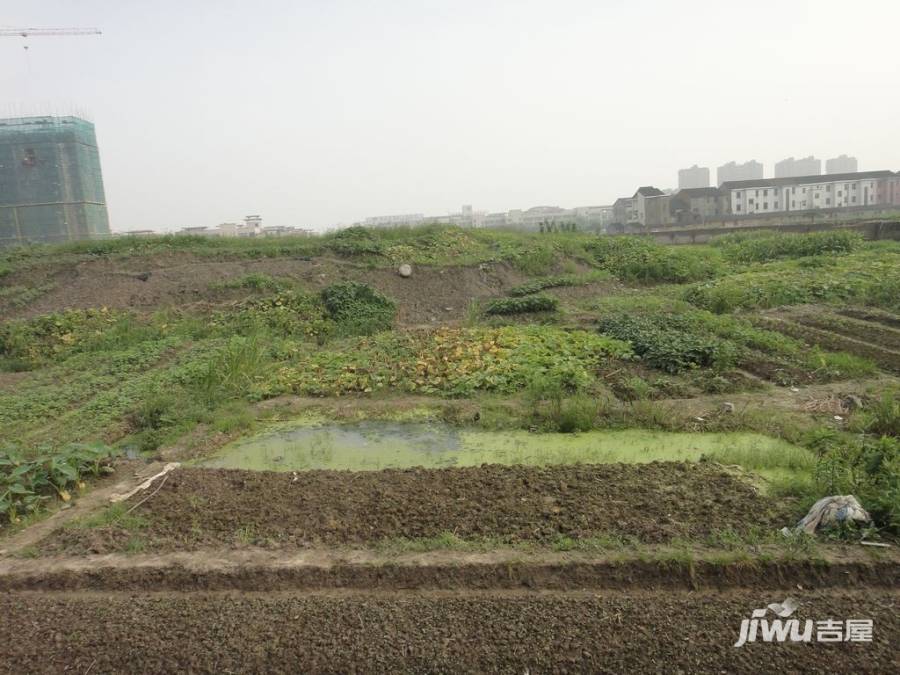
[[776, 195]]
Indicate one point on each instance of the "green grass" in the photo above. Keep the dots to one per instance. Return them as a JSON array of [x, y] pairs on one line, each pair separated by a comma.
[[254, 282], [115, 515]]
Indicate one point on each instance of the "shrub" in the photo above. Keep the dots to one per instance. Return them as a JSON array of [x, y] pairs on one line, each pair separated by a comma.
[[358, 309], [522, 305], [355, 241]]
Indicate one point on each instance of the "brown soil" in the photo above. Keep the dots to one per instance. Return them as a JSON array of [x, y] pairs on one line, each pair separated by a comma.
[[472, 631], [431, 295], [649, 502], [509, 569]]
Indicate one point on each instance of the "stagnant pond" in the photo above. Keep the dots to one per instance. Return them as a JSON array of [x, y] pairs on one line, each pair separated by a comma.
[[372, 445]]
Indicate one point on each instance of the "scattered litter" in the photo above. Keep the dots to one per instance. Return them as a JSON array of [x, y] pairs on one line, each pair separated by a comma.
[[852, 402], [700, 419], [829, 404], [404, 270], [838, 418], [875, 543], [828, 511], [786, 608], [794, 389], [147, 483], [728, 407]]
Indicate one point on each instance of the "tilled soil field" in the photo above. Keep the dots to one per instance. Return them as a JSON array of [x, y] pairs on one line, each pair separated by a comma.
[[650, 503], [494, 631]]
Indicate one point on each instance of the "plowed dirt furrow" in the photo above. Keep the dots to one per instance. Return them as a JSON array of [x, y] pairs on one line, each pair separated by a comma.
[[884, 357], [433, 632]]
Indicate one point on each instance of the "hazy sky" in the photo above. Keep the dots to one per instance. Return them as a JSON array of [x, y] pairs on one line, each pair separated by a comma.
[[317, 113]]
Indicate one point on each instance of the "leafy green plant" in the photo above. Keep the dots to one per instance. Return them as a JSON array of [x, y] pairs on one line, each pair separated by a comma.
[[27, 482], [666, 343], [522, 305]]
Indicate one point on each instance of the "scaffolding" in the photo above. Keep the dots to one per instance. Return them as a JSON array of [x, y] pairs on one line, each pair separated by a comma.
[[51, 186]]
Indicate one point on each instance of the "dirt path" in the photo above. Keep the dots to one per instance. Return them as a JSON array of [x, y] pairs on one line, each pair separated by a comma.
[[472, 631], [257, 570], [85, 504]]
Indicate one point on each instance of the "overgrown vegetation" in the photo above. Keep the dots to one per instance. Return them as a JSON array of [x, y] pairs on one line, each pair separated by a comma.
[[680, 322], [868, 278], [641, 260], [765, 246]]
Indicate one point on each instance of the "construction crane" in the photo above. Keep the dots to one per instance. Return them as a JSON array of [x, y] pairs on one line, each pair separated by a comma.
[[44, 32], [28, 32]]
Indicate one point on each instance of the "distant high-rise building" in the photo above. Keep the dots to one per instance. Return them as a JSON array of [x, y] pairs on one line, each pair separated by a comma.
[[790, 167], [751, 170], [842, 164], [694, 177], [51, 186]]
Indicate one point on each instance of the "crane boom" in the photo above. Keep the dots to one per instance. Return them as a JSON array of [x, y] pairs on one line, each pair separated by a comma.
[[39, 32]]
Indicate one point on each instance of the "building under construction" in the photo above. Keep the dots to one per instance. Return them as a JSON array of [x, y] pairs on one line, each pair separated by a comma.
[[51, 187]]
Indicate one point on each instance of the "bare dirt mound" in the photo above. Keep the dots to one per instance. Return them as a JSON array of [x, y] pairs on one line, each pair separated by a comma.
[[431, 632], [174, 280], [650, 503]]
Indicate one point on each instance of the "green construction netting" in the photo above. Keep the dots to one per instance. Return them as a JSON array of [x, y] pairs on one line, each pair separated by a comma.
[[51, 187]]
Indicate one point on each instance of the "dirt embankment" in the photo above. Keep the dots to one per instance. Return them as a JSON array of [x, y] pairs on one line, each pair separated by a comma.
[[176, 280], [650, 503], [430, 632]]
